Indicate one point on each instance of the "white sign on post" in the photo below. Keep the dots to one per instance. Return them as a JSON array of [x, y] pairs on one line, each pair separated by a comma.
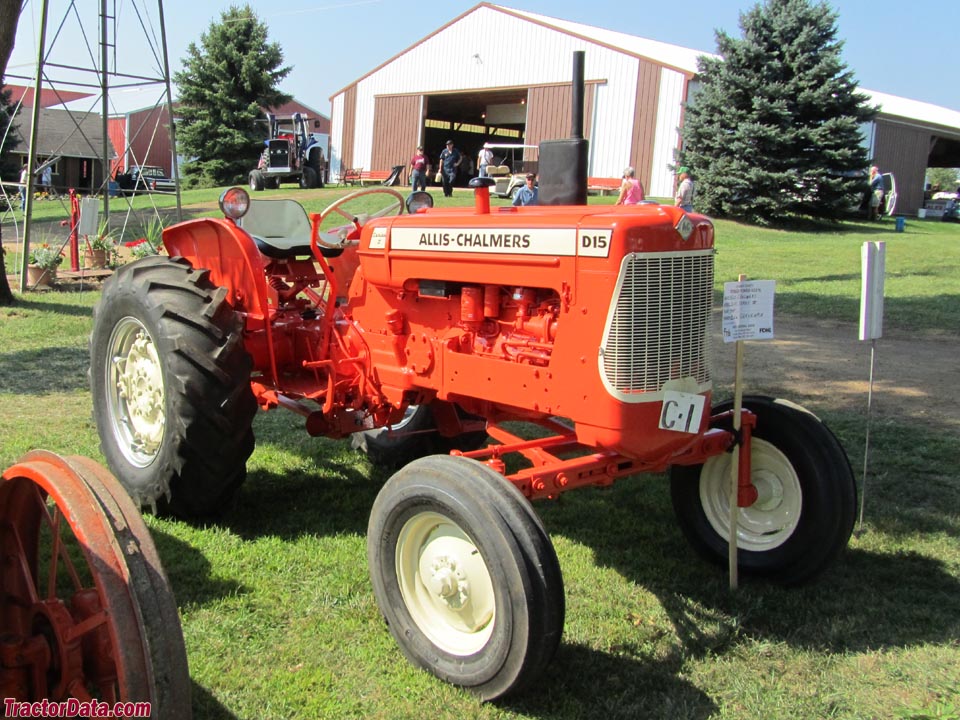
[[89, 216], [748, 310], [872, 261]]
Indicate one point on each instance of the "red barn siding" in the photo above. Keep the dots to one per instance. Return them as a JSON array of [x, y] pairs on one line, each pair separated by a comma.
[[396, 130], [549, 112], [349, 126], [149, 139], [117, 131], [645, 120], [903, 150]]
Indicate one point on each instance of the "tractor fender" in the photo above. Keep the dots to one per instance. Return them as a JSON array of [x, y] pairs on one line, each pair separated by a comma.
[[230, 255]]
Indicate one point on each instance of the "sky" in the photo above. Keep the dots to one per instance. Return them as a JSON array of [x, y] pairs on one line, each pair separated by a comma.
[[905, 49]]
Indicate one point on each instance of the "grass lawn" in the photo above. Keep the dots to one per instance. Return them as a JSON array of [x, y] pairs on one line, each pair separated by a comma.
[[279, 616]]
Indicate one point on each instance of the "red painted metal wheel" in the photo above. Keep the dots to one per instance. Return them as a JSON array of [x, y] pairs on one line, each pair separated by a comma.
[[86, 611]]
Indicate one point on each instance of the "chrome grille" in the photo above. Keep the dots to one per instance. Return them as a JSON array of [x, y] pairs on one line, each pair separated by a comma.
[[658, 327]]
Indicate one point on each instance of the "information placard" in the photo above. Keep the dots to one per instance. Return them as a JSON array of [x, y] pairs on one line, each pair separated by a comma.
[[748, 310], [89, 216], [872, 269]]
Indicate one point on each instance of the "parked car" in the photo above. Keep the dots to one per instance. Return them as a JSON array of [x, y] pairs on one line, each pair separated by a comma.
[[145, 178]]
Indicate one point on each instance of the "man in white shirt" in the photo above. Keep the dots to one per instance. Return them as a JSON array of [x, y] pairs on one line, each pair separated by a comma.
[[484, 158]]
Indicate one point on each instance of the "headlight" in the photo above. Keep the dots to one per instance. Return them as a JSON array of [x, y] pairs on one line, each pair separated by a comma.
[[234, 203], [419, 200]]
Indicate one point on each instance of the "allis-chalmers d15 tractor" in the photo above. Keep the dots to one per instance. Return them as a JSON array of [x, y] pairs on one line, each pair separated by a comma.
[[420, 335]]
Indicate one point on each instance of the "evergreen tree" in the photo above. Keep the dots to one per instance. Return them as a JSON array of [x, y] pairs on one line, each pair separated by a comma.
[[775, 130], [222, 87]]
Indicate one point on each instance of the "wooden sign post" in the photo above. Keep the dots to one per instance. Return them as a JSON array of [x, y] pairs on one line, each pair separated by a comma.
[[747, 315]]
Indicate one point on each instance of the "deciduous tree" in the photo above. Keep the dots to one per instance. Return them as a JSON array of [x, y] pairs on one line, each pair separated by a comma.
[[946, 179], [224, 83], [775, 130], [10, 12]]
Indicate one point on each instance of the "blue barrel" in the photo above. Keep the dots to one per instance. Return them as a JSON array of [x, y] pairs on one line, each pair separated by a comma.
[[901, 223]]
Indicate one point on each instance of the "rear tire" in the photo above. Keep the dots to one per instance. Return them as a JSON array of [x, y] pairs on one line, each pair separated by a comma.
[[171, 387], [807, 505], [413, 437], [465, 575], [316, 162], [308, 178], [256, 180]]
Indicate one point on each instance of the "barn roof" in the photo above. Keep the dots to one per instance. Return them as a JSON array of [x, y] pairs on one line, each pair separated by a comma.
[[49, 97], [914, 109], [295, 106], [64, 133], [664, 53]]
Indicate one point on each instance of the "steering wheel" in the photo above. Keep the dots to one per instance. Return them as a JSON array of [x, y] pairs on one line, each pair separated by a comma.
[[352, 230]]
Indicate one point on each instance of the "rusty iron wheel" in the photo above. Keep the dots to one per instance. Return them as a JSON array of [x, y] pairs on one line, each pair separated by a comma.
[[86, 611]]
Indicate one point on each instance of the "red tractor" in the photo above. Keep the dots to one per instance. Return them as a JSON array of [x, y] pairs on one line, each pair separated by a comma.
[[420, 335]]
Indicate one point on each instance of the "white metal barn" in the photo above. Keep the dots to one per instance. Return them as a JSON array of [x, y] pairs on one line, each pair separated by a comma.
[[504, 76]]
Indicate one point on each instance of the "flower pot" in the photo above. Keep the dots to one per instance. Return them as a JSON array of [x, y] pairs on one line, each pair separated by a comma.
[[38, 277], [94, 258]]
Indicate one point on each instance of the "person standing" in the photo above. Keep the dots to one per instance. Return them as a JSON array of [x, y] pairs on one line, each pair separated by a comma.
[[450, 159], [46, 178], [418, 172], [528, 194], [484, 158], [876, 194], [631, 190], [684, 199], [24, 177]]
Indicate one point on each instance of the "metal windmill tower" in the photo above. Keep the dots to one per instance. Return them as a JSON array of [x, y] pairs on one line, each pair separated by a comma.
[[98, 48]]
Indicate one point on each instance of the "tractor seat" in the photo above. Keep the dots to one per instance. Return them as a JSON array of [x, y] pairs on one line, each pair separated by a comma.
[[281, 229]]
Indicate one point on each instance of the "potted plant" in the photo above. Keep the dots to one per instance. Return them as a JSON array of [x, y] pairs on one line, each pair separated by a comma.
[[42, 265], [99, 251]]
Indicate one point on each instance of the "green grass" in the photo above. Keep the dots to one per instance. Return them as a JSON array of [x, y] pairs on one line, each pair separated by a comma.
[[818, 273], [279, 616]]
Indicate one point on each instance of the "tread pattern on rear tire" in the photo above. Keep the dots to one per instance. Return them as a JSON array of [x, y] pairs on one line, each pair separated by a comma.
[[209, 406]]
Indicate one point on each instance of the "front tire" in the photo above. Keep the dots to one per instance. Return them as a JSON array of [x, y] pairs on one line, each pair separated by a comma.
[[806, 508], [413, 437], [465, 575], [171, 387], [256, 180]]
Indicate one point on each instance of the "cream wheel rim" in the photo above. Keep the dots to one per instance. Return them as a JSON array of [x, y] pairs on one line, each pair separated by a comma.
[[445, 584], [773, 518], [135, 394]]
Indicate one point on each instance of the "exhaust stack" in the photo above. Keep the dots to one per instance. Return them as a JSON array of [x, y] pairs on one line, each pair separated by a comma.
[[563, 163]]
